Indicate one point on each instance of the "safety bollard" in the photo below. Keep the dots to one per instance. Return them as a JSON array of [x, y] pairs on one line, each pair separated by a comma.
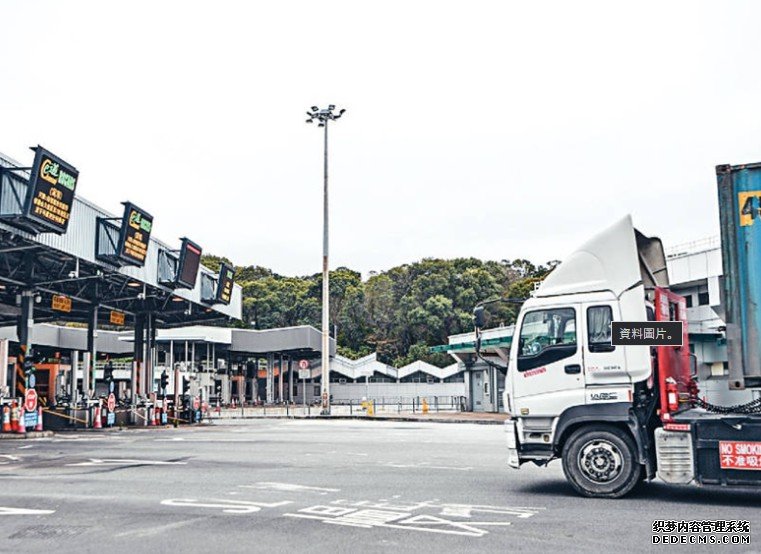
[[38, 427]]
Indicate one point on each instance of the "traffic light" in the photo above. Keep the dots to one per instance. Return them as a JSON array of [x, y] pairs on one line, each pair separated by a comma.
[[164, 380], [31, 358], [218, 388], [108, 372], [185, 385]]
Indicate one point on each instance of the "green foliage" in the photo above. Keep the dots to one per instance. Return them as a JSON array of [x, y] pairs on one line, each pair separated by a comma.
[[398, 314]]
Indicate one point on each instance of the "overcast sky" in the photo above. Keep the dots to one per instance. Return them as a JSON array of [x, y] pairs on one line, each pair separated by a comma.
[[489, 129]]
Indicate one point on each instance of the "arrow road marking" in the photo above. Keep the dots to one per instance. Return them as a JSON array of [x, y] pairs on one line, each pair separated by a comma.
[[115, 462], [23, 512], [287, 487], [227, 506]]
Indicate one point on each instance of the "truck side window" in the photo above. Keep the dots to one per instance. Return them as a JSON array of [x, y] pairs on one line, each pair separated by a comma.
[[546, 336], [598, 328]]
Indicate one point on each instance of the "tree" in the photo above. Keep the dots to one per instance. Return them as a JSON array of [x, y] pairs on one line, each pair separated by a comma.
[[399, 313]]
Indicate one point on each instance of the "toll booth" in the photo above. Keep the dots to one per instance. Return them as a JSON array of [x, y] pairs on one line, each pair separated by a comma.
[[66, 261], [240, 366]]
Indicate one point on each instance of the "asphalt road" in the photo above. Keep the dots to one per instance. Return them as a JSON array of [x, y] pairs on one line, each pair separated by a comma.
[[321, 486]]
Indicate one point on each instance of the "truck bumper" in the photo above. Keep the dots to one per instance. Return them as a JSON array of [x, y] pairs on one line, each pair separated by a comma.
[[513, 460]]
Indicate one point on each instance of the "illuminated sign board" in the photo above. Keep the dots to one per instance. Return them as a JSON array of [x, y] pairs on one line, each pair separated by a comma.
[[50, 196], [225, 284], [135, 235], [116, 318], [61, 303], [190, 261]]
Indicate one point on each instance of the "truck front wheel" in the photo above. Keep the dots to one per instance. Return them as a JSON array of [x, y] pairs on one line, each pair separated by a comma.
[[600, 461]]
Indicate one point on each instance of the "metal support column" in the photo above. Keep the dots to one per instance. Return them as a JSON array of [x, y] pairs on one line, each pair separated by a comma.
[[137, 383], [74, 377], [24, 332], [290, 378], [4, 367], [92, 336], [280, 397], [270, 378]]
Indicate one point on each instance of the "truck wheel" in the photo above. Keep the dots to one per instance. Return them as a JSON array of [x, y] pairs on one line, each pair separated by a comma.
[[600, 462]]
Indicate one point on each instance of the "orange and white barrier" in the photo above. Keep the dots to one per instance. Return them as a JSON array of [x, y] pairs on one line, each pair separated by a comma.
[[6, 419], [21, 430]]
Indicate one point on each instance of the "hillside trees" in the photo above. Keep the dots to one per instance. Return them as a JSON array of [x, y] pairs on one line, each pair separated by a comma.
[[398, 313]]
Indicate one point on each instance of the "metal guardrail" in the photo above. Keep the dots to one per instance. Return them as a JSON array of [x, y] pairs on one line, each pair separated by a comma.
[[385, 405]]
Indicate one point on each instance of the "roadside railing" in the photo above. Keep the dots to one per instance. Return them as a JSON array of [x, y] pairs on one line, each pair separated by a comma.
[[372, 406]]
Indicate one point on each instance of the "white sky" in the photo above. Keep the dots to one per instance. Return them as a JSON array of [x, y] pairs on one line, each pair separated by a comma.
[[488, 129]]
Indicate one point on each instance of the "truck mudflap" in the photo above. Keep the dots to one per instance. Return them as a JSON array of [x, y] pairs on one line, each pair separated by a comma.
[[674, 451], [513, 460]]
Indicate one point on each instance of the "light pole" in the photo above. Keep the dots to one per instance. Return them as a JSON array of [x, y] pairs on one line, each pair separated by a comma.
[[323, 116]]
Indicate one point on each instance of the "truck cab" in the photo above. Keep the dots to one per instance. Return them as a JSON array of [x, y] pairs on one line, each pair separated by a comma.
[[570, 392], [618, 415]]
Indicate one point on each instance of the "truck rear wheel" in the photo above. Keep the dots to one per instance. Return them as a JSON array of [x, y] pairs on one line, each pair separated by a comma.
[[600, 461]]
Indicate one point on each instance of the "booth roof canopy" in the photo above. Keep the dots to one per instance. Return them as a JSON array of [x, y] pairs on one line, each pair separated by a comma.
[[51, 264], [70, 338]]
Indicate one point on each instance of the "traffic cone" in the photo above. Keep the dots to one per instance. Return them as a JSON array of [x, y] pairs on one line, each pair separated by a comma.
[[21, 430], [38, 427], [156, 416], [14, 417], [6, 419], [97, 423]]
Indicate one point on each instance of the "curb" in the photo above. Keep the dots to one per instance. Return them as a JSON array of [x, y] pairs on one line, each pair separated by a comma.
[[29, 435], [366, 418]]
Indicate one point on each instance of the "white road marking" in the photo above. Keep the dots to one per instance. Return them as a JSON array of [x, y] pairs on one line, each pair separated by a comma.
[[368, 514], [23, 512], [118, 462], [9, 458], [288, 487], [25, 447], [227, 506], [424, 465]]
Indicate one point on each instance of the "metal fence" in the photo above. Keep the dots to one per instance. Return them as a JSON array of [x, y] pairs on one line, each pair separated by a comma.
[[385, 405]]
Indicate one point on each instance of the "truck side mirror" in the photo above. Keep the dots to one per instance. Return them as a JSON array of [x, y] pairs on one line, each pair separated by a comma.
[[479, 317]]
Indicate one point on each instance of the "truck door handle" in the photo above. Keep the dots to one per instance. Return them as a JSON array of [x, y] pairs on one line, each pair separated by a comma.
[[572, 369]]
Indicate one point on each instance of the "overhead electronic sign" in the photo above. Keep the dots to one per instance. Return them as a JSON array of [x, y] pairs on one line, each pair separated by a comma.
[[61, 303], [116, 318], [190, 261], [225, 284], [135, 235], [50, 196]]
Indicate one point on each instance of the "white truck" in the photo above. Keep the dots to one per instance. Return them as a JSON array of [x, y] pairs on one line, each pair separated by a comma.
[[616, 415]]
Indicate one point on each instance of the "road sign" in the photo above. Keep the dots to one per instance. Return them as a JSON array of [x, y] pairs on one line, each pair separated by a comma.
[[30, 400], [304, 374], [32, 380], [111, 403], [30, 419], [303, 364]]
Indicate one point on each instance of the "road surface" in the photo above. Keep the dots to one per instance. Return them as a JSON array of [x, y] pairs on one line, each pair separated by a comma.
[[321, 486]]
